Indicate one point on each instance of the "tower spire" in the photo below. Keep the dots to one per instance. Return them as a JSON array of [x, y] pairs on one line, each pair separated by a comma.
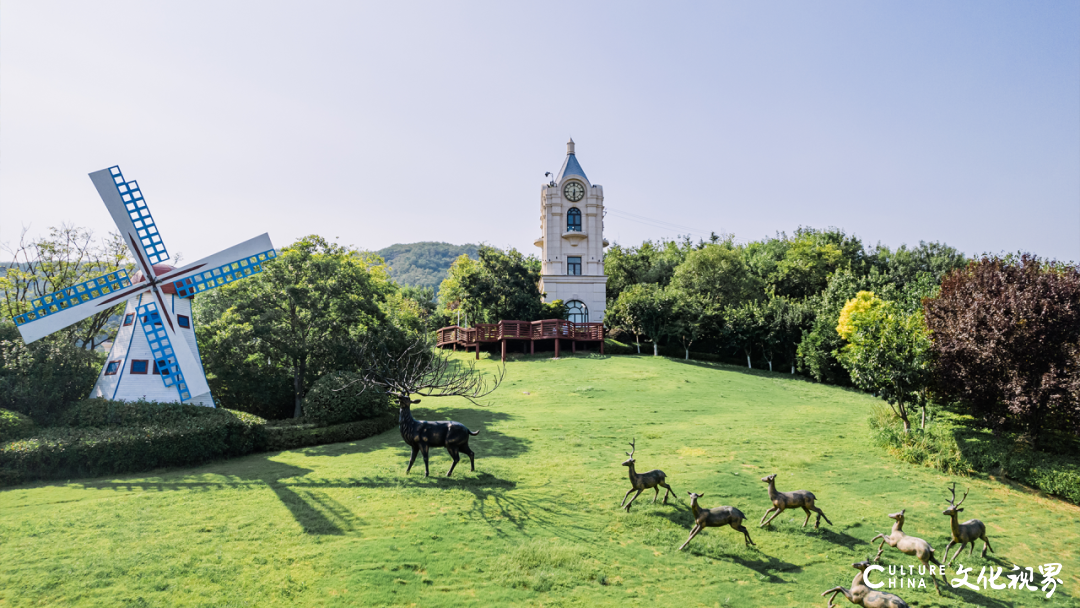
[[570, 146]]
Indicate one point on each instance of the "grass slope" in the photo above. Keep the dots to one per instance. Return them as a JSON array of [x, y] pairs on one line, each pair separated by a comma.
[[538, 523]]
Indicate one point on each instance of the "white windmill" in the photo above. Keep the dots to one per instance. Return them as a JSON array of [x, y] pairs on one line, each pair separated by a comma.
[[154, 355]]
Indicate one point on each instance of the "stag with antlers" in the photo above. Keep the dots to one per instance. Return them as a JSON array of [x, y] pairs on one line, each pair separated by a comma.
[[419, 369], [964, 533], [714, 518], [641, 482], [790, 500], [861, 594], [908, 545]]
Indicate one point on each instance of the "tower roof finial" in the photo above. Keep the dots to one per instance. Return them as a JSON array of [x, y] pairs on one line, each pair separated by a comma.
[[570, 146]]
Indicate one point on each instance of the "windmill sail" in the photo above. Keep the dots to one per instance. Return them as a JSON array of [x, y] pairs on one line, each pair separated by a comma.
[[55, 311]]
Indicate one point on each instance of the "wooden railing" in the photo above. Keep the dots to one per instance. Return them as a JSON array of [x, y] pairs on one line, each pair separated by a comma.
[[548, 329]]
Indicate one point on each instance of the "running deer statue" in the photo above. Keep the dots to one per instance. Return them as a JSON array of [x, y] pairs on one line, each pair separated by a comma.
[[641, 482], [862, 595], [422, 435], [790, 500], [714, 518], [964, 533], [908, 545]]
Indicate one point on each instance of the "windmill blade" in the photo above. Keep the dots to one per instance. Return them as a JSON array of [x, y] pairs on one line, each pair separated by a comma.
[[235, 263], [171, 353], [125, 203], [60, 309]]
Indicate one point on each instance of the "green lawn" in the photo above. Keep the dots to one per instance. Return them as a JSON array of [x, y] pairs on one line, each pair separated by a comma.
[[539, 522]]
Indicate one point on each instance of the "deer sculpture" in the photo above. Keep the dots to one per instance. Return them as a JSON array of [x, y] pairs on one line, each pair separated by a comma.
[[862, 595], [641, 482], [908, 545], [790, 500], [714, 518], [422, 435], [964, 533]]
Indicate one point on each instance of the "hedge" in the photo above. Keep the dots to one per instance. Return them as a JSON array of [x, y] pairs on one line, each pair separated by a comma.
[[304, 434], [340, 397], [14, 425], [117, 437]]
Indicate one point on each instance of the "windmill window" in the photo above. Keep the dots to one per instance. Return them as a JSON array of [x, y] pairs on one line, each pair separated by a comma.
[[155, 369], [138, 366], [183, 321], [573, 220], [129, 319], [112, 368], [573, 265]]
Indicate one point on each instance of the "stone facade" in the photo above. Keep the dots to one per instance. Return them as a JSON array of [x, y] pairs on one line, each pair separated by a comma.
[[564, 240]]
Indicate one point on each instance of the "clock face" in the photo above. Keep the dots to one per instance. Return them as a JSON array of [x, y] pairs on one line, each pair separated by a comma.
[[574, 192]]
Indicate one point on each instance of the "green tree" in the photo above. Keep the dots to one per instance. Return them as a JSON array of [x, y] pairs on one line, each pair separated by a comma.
[[693, 317], [651, 262], [67, 257], [742, 329], [646, 308], [887, 353], [782, 322], [718, 273], [43, 378], [304, 313], [811, 257], [500, 285]]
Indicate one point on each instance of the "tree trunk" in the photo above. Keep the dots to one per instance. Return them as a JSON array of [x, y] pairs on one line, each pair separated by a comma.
[[907, 425], [298, 388], [923, 423], [688, 354], [770, 365], [637, 342], [748, 362], [655, 349], [792, 369]]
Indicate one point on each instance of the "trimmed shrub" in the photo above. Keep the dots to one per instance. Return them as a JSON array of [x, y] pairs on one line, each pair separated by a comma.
[[14, 425], [293, 436], [614, 347], [43, 378], [340, 397], [115, 437]]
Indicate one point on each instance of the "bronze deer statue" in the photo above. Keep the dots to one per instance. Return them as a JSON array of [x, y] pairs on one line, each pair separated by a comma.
[[964, 533], [862, 595], [641, 482], [422, 435], [790, 500], [908, 545], [714, 518]]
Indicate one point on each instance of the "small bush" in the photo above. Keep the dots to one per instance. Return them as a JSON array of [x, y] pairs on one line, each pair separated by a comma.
[[115, 437], [614, 347], [14, 425], [43, 378], [293, 436], [340, 397], [954, 448]]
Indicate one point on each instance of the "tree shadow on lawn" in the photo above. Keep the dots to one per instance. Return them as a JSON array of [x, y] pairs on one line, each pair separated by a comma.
[[488, 443]]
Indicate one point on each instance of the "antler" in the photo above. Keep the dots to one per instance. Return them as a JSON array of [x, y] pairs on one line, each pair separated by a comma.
[[632, 449], [962, 499], [953, 502]]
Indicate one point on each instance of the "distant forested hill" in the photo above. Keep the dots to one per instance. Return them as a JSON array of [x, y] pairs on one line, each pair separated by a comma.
[[423, 264]]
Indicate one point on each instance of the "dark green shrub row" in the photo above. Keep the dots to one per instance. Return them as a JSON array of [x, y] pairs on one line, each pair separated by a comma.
[[293, 436], [340, 397], [14, 425], [41, 379], [130, 437], [953, 448]]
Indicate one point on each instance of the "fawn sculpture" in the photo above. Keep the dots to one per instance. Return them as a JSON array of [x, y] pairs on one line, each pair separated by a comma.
[[790, 500], [652, 479], [862, 595], [908, 545], [964, 533], [422, 435], [714, 518]]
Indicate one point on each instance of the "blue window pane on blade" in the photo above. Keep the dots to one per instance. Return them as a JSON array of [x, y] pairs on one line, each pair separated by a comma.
[[573, 266], [73, 296], [140, 216], [160, 345], [573, 220], [227, 273]]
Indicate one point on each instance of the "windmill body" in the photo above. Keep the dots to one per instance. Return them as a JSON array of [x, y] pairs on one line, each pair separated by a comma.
[[155, 355]]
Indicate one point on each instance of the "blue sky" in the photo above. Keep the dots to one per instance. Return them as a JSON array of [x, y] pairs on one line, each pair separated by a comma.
[[381, 123]]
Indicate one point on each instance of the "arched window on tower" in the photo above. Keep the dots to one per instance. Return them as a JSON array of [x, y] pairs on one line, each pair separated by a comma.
[[573, 220], [579, 313]]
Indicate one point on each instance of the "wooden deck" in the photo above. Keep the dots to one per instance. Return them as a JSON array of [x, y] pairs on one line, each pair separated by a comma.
[[548, 329]]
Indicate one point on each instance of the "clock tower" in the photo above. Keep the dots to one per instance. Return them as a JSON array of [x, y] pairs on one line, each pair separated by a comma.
[[572, 242]]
